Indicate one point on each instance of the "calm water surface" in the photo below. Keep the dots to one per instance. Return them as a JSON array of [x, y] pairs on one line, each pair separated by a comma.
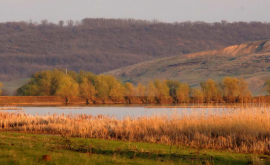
[[115, 110]]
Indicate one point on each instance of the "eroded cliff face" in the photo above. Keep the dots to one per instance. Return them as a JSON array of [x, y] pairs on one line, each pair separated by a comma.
[[238, 50], [250, 61]]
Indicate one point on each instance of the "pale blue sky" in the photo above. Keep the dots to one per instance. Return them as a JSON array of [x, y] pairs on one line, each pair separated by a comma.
[[162, 10]]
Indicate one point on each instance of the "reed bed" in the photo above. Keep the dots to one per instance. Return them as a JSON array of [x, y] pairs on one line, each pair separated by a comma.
[[236, 130]]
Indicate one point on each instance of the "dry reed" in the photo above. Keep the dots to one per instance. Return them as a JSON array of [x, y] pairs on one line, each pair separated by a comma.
[[237, 130]]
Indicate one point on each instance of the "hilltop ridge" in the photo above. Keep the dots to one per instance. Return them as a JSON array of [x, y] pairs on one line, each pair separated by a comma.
[[249, 60], [100, 45]]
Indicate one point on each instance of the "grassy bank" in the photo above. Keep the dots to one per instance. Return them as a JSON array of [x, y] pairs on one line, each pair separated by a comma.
[[18, 148], [235, 130]]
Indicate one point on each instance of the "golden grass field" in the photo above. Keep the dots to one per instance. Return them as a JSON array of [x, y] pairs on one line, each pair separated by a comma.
[[242, 130]]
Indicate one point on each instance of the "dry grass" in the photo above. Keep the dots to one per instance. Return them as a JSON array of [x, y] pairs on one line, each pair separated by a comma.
[[237, 130]]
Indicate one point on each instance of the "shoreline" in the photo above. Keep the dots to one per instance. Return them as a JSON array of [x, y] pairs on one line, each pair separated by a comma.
[[59, 101]]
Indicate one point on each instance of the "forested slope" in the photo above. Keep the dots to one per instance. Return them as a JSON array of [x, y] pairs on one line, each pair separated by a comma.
[[100, 45]]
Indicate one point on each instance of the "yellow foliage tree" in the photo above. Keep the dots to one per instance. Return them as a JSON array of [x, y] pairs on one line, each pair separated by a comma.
[[43, 81], [141, 92], [173, 85], [162, 91], [117, 92], [151, 92], [102, 87], [0, 87], [244, 92], [267, 87], [129, 92], [87, 90], [211, 91], [231, 88], [182, 93], [197, 95], [67, 88]]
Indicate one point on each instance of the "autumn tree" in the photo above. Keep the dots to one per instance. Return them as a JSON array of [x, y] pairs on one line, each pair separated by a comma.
[[102, 88], [244, 92], [87, 90], [42, 81], [39, 85], [151, 92], [197, 95], [267, 87], [211, 91], [230, 88], [117, 92], [55, 80], [162, 91], [142, 93], [129, 92], [182, 93], [88, 75], [116, 89], [29, 89], [0, 88], [67, 88], [73, 75], [173, 85]]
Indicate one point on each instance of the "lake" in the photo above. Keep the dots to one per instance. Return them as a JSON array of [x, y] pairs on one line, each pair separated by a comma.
[[119, 111]]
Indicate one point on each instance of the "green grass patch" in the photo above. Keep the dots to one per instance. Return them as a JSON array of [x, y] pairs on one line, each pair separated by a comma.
[[17, 148]]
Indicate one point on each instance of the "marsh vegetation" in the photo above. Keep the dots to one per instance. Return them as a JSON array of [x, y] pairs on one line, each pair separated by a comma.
[[235, 130]]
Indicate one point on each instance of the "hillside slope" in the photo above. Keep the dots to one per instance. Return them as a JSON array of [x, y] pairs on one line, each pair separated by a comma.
[[250, 61], [100, 45]]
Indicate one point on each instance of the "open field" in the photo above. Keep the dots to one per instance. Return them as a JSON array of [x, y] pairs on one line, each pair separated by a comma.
[[18, 148]]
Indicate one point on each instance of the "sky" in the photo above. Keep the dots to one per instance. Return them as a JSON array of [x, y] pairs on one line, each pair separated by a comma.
[[162, 10]]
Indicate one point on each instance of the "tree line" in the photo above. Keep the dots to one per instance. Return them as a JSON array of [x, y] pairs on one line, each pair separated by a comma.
[[102, 45], [92, 87], [0, 88]]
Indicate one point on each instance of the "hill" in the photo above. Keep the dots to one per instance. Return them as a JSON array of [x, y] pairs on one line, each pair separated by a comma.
[[250, 61], [100, 45]]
